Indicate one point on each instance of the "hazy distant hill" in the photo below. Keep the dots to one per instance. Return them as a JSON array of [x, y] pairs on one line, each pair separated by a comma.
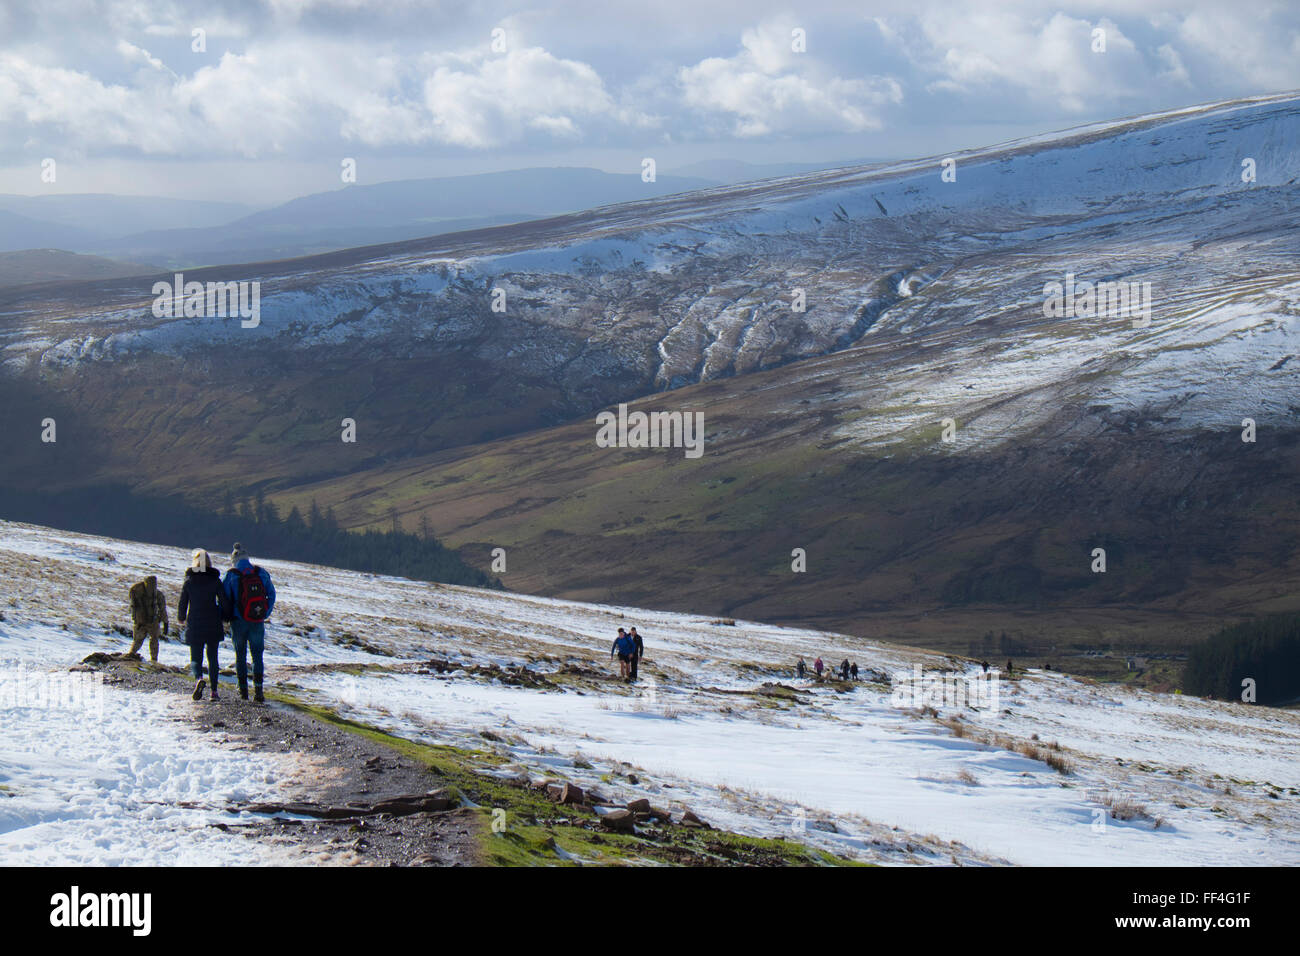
[[23, 232], [107, 214], [186, 233], [364, 215], [51, 265], [88, 222]]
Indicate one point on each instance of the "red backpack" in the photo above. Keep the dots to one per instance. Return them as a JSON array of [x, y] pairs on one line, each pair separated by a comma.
[[253, 603]]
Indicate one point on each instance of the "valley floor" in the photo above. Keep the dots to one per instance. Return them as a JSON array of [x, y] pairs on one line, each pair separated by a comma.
[[1054, 770]]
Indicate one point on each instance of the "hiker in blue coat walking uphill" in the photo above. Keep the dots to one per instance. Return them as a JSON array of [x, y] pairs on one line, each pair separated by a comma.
[[253, 598], [203, 609], [624, 648]]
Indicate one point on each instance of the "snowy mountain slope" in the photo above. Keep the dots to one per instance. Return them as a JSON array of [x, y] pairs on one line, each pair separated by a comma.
[[95, 775], [697, 286], [626, 300], [837, 766], [925, 301]]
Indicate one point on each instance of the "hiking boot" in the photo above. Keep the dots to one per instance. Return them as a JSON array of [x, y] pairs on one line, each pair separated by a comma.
[[198, 690], [215, 695], [257, 694], [243, 689]]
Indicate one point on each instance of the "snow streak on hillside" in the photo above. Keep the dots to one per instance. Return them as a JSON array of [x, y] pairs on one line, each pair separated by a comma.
[[839, 766]]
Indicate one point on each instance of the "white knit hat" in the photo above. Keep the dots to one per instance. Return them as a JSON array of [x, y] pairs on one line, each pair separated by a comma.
[[199, 560]]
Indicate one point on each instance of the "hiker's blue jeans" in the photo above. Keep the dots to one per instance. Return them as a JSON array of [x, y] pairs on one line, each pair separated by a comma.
[[248, 636]]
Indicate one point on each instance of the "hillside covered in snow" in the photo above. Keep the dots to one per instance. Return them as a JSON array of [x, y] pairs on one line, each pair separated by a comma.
[[1040, 769], [698, 286]]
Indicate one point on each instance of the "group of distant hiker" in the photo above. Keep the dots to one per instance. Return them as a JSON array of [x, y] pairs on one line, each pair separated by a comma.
[[848, 670], [209, 606], [629, 649]]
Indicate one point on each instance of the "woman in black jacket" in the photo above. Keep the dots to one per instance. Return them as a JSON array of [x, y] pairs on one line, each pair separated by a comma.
[[204, 607]]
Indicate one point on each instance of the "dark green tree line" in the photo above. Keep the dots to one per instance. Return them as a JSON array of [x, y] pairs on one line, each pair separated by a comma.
[[1266, 651], [316, 538]]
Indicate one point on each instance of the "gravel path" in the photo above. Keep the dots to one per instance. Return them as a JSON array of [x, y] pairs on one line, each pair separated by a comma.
[[354, 802]]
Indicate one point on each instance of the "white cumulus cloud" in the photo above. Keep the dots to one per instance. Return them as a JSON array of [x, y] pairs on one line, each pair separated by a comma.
[[481, 99], [768, 88], [277, 96], [1052, 58]]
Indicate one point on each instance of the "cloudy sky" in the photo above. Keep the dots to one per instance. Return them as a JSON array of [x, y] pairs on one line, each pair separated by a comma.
[[274, 94]]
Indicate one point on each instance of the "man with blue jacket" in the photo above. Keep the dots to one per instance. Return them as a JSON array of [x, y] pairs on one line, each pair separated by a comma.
[[252, 595], [624, 648]]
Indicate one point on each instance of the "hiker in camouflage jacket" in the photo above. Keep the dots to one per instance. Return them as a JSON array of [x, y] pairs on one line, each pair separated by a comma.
[[148, 615]]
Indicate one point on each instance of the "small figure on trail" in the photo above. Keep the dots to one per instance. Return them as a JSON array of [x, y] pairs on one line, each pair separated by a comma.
[[801, 668], [985, 665], [853, 670], [252, 595], [623, 647], [638, 652], [148, 615], [204, 606], [844, 669], [1010, 669], [818, 666]]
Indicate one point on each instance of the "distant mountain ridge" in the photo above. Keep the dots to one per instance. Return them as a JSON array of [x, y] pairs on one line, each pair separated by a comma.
[[22, 233], [184, 233], [190, 233], [90, 222]]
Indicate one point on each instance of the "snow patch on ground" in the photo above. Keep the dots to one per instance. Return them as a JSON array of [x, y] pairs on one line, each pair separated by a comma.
[[96, 775]]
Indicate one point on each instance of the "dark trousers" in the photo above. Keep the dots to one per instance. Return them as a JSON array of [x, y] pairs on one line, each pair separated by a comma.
[[247, 637], [196, 660], [635, 659]]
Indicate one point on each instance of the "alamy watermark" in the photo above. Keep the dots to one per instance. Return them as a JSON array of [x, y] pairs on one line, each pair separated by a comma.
[[214, 300], [133, 911], [651, 430], [41, 690], [921, 688], [1081, 299]]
